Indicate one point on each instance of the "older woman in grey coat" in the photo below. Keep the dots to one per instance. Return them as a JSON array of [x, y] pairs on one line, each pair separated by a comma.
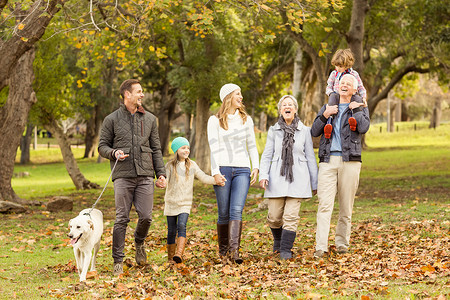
[[288, 173]]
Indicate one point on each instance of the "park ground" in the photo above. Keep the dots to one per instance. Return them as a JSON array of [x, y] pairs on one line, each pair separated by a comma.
[[399, 244]]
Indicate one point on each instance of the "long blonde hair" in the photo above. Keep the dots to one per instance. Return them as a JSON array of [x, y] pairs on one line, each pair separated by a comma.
[[173, 164], [225, 109]]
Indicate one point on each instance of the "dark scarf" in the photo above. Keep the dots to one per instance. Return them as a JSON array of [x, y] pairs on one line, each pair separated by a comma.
[[287, 159]]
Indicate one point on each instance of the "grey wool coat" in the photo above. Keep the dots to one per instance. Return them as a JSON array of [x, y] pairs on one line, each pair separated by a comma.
[[136, 135], [304, 169]]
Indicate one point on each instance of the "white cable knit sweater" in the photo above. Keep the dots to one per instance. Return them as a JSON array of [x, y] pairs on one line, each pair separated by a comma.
[[179, 193], [233, 147]]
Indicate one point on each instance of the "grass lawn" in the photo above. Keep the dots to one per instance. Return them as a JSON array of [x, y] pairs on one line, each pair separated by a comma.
[[399, 244]]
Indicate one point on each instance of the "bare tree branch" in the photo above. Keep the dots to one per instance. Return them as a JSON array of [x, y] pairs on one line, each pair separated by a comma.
[[394, 80], [91, 13]]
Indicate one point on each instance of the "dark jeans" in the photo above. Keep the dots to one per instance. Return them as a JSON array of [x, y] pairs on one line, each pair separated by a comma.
[[129, 191], [176, 224], [231, 197]]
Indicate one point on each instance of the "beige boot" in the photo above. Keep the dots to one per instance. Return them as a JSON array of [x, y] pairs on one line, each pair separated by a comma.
[[171, 251], [178, 257]]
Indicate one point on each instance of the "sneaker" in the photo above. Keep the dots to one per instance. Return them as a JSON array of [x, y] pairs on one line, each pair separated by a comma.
[[327, 130], [341, 249], [352, 122], [319, 253], [118, 269], [141, 255]]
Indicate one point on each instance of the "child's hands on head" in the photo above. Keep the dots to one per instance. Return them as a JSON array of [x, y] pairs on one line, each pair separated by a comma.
[[355, 104]]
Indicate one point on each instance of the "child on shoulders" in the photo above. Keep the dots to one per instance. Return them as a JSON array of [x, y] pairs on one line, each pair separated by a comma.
[[343, 61]]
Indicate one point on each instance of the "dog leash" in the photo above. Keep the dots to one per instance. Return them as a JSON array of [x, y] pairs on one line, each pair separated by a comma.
[[93, 206]]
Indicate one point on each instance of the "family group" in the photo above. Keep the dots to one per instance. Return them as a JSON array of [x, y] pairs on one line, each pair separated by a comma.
[[287, 170]]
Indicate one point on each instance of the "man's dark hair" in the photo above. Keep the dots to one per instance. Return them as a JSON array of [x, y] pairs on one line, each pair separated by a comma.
[[127, 86]]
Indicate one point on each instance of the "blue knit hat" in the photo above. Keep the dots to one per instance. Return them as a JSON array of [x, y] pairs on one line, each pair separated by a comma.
[[179, 142]]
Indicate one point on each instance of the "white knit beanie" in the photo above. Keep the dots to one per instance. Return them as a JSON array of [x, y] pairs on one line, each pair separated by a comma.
[[228, 89]]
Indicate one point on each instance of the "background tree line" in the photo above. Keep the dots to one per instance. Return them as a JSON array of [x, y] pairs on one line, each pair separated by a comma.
[[65, 60]]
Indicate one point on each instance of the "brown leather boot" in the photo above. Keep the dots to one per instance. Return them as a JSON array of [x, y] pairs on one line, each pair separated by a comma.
[[181, 242], [171, 251], [222, 239], [234, 240]]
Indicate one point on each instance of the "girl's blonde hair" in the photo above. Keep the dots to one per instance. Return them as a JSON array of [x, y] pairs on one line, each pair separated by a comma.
[[343, 58], [224, 110], [173, 164]]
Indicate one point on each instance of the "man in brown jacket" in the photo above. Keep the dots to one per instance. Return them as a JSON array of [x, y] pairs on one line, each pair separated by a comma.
[[130, 135]]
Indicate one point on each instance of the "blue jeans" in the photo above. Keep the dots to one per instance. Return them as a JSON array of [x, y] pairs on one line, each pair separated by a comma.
[[231, 197], [176, 224]]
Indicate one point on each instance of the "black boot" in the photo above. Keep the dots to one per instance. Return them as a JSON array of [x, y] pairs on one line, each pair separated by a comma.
[[287, 241], [222, 239], [276, 232], [234, 240]]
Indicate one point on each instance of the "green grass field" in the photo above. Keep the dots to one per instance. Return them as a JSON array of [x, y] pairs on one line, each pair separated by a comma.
[[399, 245]]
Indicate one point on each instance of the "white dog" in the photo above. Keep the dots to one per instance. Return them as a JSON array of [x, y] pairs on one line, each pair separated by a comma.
[[85, 233]]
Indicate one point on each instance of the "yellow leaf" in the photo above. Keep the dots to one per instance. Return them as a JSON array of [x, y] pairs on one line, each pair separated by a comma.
[[265, 7], [79, 84], [428, 268], [328, 29], [321, 53], [21, 26], [151, 48], [120, 54]]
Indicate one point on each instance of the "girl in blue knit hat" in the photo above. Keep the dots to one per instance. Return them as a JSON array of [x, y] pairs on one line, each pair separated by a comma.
[[180, 172]]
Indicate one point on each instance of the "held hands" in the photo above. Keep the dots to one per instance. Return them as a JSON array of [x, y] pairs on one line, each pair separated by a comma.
[[220, 179], [263, 183], [254, 176], [161, 182]]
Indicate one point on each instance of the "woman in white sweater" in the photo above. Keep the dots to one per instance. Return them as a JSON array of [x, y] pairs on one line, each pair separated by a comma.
[[232, 142], [180, 172]]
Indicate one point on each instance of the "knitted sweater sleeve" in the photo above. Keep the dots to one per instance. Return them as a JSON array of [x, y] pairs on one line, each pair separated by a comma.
[[200, 175]]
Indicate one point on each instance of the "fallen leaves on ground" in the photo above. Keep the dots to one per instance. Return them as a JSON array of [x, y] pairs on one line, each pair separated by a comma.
[[381, 256]]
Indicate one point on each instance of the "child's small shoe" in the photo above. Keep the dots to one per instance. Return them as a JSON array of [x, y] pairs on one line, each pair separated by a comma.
[[327, 130], [352, 122]]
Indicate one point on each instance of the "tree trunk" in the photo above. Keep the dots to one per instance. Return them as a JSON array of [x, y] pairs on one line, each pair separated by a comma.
[[166, 115], [202, 152], [92, 135], [355, 34], [14, 48], [436, 114], [13, 118], [25, 143], [262, 121], [78, 179], [311, 100], [298, 68]]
